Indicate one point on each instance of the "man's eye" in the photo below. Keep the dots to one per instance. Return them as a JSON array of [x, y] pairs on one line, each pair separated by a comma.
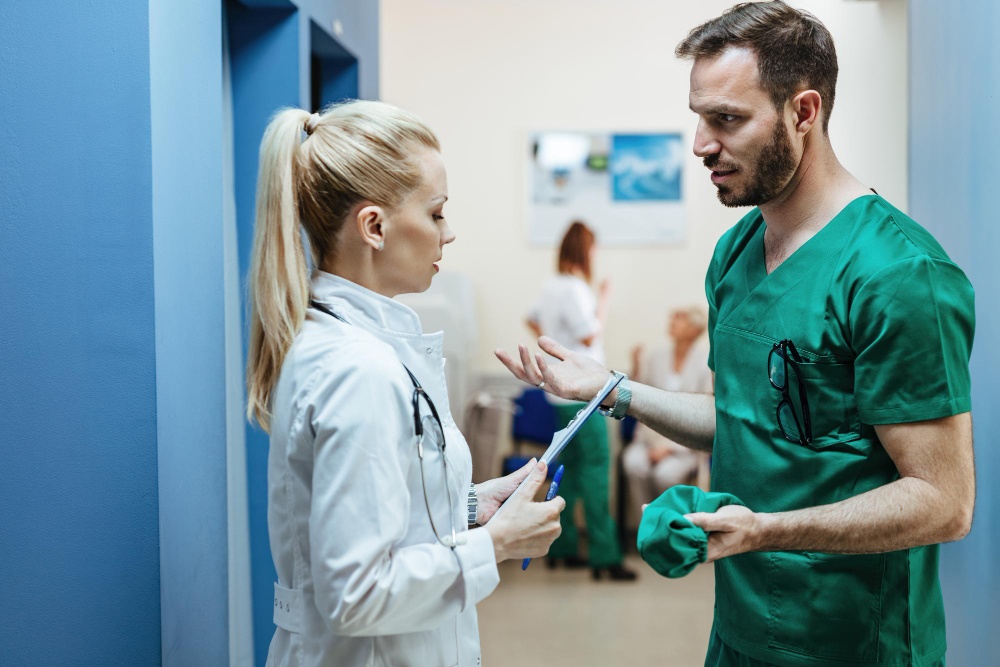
[[727, 117]]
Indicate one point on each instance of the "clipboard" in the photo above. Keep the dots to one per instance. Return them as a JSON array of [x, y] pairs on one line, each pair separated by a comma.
[[562, 437]]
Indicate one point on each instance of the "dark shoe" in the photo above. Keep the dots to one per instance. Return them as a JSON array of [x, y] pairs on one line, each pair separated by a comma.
[[615, 573]]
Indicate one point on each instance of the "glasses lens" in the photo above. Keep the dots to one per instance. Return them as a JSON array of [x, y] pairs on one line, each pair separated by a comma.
[[776, 368], [787, 421], [433, 437]]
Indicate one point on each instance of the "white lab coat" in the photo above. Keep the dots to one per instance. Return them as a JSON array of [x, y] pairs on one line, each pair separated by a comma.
[[361, 578]]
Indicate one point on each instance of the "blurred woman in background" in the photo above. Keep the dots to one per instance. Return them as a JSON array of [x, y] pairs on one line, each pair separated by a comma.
[[569, 311]]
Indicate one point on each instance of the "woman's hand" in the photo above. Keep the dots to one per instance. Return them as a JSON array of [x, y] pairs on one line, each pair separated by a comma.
[[491, 494], [526, 529], [576, 376], [657, 454], [636, 355], [603, 301], [604, 290]]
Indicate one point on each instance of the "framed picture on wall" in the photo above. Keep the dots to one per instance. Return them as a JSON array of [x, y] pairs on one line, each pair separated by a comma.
[[625, 186]]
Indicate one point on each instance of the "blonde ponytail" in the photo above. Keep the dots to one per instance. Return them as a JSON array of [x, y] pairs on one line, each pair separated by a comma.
[[279, 283], [357, 151]]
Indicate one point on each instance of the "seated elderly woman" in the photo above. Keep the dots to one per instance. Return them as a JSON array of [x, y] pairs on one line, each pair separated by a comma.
[[652, 462]]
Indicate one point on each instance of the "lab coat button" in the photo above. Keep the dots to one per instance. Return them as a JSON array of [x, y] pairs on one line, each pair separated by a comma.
[[429, 350]]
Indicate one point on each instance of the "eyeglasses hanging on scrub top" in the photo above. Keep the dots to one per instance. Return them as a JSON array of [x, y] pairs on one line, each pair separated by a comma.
[[782, 356], [421, 426]]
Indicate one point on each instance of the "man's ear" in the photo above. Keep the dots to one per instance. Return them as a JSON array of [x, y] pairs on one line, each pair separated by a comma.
[[371, 223], [807, 107]]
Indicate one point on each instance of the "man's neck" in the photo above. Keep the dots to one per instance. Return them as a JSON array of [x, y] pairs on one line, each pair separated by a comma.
[[819, 190]]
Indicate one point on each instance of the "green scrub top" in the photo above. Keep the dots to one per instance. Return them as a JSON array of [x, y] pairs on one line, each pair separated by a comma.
[[884, 322]]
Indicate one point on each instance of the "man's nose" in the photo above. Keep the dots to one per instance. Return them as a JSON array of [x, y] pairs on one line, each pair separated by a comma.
[[705, 143]]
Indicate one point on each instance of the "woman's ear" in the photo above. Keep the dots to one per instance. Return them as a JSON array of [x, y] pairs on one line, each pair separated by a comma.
[[371, 224]]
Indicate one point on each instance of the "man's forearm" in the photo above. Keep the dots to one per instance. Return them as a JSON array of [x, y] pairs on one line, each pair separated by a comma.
[[688, 419], [909, 512]]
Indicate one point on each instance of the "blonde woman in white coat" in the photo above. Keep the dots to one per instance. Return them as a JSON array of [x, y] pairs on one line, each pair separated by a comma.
[[375, 562]]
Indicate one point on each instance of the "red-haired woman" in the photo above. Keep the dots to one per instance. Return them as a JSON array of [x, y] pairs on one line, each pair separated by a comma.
[[570, 312]]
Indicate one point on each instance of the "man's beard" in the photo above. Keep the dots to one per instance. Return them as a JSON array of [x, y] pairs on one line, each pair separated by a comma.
[[770, 170]]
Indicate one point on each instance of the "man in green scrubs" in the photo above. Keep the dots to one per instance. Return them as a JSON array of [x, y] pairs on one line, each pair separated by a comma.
[[841, 335]]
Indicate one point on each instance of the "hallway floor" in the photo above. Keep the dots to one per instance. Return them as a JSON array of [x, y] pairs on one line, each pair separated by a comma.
[[563, 618]]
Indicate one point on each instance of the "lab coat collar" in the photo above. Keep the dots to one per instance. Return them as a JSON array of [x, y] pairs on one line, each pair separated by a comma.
[[351, 301]]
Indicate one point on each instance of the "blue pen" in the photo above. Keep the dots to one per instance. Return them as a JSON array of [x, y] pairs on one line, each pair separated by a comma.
[[553, 488]]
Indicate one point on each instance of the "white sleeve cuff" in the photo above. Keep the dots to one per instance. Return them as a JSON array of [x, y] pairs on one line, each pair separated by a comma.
[[479, 566]]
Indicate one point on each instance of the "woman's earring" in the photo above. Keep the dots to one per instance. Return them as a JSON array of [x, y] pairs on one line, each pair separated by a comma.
[[381, 245]]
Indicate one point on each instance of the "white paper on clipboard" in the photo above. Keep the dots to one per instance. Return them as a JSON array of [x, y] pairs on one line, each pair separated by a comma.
[[562, 437]]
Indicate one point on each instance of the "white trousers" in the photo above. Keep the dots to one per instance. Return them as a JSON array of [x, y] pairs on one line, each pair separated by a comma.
[[646, 480]]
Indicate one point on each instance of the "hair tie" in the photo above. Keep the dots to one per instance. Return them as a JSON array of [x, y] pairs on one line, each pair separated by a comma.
[[311, 123]]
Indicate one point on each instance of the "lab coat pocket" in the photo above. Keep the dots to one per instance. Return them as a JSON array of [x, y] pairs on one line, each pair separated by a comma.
[[836, 423], [826, 605]]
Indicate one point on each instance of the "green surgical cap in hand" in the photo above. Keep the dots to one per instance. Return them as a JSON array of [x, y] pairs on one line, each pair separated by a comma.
[[671, 544]]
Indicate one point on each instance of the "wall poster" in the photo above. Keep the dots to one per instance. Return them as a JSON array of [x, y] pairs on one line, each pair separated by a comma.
[[626, 187]]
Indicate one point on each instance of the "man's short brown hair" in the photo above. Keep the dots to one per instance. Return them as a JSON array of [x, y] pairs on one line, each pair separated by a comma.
[[793, 49]]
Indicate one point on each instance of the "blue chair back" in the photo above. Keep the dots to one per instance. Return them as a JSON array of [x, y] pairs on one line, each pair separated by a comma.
[[628, 429], [535, 418]]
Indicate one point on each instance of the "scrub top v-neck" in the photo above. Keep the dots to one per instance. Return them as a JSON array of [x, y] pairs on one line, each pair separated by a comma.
[[884, 323]]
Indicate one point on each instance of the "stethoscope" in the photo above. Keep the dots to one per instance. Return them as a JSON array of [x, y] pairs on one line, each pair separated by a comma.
[[453, 540]]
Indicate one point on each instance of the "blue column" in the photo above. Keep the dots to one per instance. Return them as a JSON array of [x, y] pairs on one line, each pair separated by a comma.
[[186, 88], [954, 138], [79, 545]]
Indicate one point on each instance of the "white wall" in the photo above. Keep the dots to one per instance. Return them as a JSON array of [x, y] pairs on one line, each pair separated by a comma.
[[484, 73]]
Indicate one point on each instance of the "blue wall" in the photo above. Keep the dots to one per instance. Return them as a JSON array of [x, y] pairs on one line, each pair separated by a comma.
[[186, 103], [79, 548], [338, 68], [264, 47], [954, 141], [359, 22], [113, 278]]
